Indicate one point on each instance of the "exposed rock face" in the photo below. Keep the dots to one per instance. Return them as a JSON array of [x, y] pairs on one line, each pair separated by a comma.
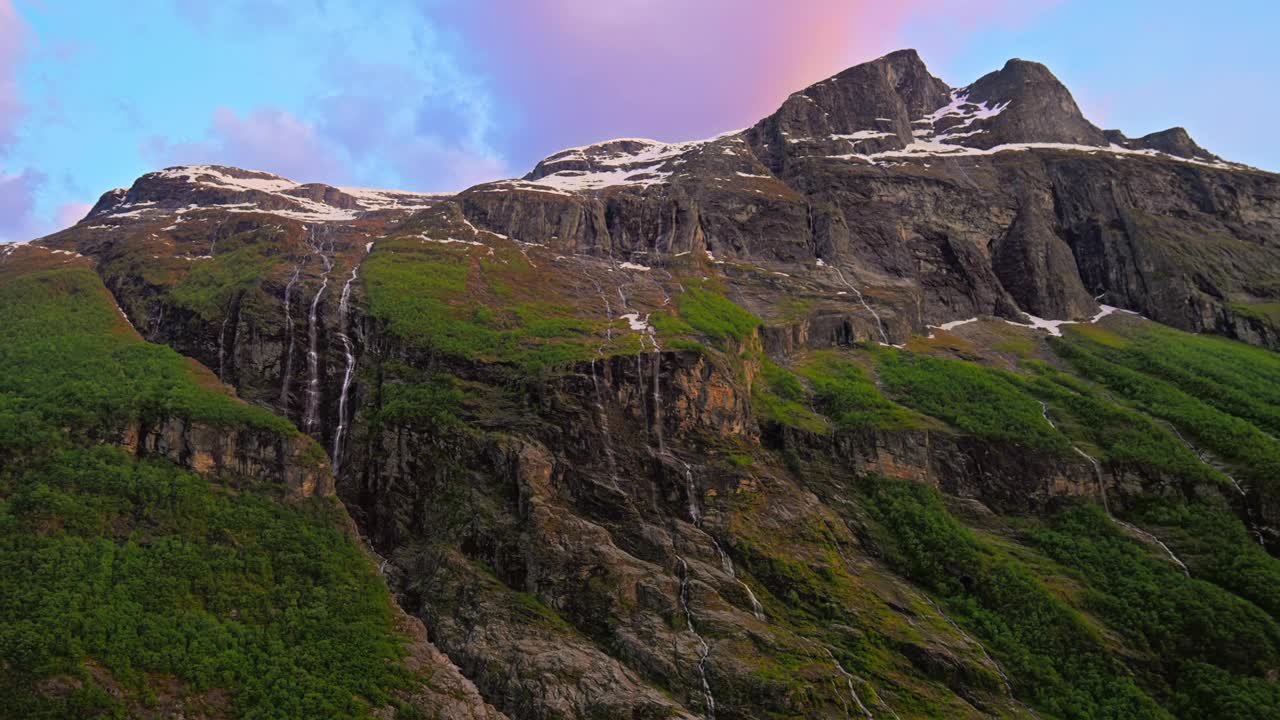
[[1037, 108], [178, 189], [1175, 141], [603, 540], [294, 462], [1038, 268], [871, 107], [947, 203]]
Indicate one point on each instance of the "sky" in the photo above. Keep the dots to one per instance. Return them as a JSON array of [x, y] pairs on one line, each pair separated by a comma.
[[442, 94]]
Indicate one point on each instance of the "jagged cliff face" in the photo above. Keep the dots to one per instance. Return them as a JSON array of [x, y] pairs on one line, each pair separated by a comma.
[[542, 408]]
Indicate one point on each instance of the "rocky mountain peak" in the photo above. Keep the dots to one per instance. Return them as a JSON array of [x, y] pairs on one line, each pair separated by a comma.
[[174, 190], [1174, 141], [1040, 108], [886, 111], [867, 108]]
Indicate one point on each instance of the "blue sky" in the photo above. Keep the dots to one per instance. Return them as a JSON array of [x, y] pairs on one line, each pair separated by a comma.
[[440, 94]]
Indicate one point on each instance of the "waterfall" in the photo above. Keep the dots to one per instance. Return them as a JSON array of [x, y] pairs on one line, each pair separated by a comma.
[[1251, 514], [708, 700], [1153, 539], [602, 415], [999, 670], [848, 680], [726, 562], [1102, 491], [311, 414], [157, 323], [349, 351], [884, 337], [695, 512], [653, 421], [222, 345], [657, 395], [126, 317], [288, 330], [608, 313]]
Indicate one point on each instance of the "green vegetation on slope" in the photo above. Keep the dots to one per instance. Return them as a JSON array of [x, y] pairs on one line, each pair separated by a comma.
[[462, 303], [779, 396], [241, 263], [1217, 546], [118, 571], [128, 583], [1239, 379], [848, 396], [983, 402], [1199, 643], [702, 312], [68, 356], [800, 573], [830, 383], [1050, 653], [712, 314], [1139, 372], [1117, 433]]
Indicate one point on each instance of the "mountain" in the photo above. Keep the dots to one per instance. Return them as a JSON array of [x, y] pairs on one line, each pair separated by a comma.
[[906, 401]]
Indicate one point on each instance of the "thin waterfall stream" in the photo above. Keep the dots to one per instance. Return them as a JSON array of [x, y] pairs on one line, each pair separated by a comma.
[[1102, 491], [311, 413], [848, 679], [348, 351], [288, 329], [884, 337], [602, 414], [222, 345], [708, 700], [1251, 514], [999, 670], [726, 562]]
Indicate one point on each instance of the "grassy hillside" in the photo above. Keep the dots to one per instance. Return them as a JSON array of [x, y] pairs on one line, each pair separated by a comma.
[[131, 587]]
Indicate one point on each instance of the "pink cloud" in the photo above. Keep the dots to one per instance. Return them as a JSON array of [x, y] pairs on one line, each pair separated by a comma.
[[13, 38], [70, 213], [426, 163], [583, 70], [266, 138], [17, 204]]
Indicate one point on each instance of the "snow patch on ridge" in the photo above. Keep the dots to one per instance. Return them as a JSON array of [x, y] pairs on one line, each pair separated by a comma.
[[296, 204], [639, 162], [937, 148], [1054, 327]]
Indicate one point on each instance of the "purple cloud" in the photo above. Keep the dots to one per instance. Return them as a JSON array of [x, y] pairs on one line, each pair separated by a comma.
[[428, 164], [580, 71], [266, 138], [17, 205], [70, 213], [13, 36], [434, 138]]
